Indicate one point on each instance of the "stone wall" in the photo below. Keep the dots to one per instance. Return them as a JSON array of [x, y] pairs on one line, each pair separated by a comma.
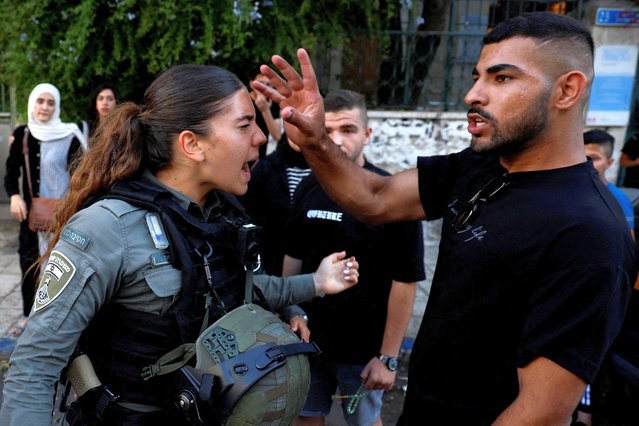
[[398, 138]]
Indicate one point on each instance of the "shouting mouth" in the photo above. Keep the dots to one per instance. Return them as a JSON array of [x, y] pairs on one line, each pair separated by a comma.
[[246, 168]]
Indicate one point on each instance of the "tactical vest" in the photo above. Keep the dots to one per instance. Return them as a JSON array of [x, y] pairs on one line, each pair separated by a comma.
[[121, 342]]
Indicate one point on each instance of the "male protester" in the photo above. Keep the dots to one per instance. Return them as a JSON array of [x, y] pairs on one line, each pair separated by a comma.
[[536, 262], [268, 202], [630, 160], [359, 333], [269, 198], [599, 145]]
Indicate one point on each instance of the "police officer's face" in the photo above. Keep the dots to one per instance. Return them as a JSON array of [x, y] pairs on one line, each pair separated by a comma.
[[232, 144]]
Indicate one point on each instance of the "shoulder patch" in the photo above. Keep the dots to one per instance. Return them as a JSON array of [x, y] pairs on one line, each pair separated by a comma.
[[56, 276], [75, 238]]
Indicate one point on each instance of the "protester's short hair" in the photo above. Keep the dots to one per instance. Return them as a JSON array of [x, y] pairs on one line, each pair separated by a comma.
[[567, 41], [342, 99], [602, 138], [543, 27]]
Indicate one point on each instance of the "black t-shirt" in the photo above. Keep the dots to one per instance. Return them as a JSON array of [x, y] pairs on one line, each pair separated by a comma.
[[349, 327], [631, 149], [543, 269]]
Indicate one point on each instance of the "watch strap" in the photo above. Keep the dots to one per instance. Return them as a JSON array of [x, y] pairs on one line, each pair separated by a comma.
[[389, 361]]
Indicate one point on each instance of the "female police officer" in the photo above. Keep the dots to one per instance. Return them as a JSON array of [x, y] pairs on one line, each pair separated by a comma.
[[146, 238]]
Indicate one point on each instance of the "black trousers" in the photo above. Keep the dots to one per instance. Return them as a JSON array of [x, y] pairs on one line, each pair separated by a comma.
[[28, 254]]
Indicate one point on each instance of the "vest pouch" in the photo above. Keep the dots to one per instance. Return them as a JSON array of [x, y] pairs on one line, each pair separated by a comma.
[[164, 282]]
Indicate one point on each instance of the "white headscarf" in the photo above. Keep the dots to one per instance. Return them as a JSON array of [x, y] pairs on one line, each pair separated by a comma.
[[54, 128]]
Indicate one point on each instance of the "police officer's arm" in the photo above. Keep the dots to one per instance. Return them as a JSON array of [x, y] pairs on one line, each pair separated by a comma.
[[334, 275], [84, 268], [548, 394], [297, 321], [400, 308], [367, 196]]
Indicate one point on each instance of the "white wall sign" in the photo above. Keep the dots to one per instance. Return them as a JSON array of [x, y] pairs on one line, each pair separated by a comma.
[[611, 94]]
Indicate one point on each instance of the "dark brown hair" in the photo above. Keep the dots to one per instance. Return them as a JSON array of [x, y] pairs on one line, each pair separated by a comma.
[[137, 137], [343, 99]]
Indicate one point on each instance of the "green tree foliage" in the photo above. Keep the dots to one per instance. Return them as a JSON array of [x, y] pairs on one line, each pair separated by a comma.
[[77, 44]]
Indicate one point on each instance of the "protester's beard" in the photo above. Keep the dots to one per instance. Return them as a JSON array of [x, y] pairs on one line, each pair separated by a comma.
[[512, 137]]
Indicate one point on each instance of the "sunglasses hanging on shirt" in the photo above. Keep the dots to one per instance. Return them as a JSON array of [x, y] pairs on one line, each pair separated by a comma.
[[482, 196]]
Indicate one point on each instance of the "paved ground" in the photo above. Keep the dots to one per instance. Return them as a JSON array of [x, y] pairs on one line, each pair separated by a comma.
[[11, 312], [10, 296]]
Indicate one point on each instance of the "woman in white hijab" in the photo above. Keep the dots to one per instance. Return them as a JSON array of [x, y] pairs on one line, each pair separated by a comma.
[[52, 146]]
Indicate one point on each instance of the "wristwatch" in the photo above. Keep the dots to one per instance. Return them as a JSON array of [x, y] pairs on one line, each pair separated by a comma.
[[389, 361], [304, 317]]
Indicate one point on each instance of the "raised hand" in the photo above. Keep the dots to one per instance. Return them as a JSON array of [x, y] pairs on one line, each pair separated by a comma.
[[301, 104], [261, 102]]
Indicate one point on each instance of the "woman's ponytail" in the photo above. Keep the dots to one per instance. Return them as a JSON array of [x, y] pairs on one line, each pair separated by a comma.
[[116, 152]]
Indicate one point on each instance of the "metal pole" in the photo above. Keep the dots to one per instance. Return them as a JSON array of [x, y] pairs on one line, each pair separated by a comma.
[[13, 103]]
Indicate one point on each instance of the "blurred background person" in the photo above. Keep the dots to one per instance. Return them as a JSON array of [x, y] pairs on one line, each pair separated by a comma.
[[267, 116], [630, 160], [269, 199], [103, 100], [599, 145], [52, 145]]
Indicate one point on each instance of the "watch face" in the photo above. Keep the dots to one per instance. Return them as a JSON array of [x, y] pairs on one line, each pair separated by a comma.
[[392, 363]]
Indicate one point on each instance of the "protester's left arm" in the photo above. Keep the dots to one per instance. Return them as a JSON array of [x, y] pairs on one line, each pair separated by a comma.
[[400, 308]]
